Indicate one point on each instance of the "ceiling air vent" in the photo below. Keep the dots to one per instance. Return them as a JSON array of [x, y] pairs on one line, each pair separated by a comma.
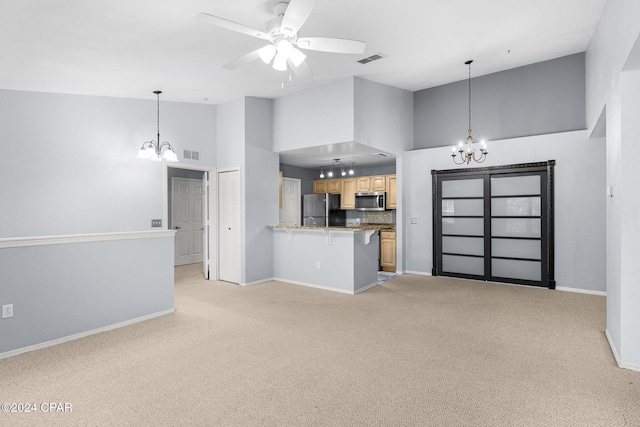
[[371, 58]]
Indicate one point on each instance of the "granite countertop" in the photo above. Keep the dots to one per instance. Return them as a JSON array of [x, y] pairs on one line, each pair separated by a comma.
[[350, 227]]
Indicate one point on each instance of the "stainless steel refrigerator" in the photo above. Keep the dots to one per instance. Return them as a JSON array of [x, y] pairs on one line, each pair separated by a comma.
[[322, 210]]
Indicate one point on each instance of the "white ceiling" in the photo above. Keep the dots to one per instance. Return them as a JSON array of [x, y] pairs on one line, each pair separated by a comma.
[[129, 48]]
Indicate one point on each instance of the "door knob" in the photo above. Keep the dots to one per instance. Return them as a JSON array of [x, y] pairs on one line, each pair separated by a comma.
[[177, 228]]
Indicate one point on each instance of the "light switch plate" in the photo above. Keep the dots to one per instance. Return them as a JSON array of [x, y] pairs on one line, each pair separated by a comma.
[[156, 223], [414, 220]]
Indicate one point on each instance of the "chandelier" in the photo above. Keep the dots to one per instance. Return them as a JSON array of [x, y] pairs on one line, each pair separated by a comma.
[[339, 167], [468, 153], [152, 150]]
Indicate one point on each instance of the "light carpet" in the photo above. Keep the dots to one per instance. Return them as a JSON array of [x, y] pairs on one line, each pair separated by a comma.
[[413, 351]]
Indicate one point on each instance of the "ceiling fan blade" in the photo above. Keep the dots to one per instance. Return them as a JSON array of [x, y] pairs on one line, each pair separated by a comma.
[[296, 15], [302, 71], [326, 44], [238, 62], [230, 25]]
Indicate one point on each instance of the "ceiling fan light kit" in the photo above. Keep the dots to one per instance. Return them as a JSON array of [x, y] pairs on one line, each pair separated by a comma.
[[282, 34]]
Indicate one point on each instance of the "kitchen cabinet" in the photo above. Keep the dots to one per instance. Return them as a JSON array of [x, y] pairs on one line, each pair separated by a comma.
[[333, 186], [388, 250], [319, 186], [371, 183], [379, 183], [348, 193], [391, 192], [363, 183], [327, 186]]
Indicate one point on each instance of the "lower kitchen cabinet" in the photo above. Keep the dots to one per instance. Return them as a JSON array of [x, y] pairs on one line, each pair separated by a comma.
[[388, 250]]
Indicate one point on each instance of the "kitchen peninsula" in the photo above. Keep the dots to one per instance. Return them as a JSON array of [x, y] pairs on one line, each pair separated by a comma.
[[341, 259]]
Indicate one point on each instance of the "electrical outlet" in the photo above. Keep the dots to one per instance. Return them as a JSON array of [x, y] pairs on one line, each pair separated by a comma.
[[318, 265], [156, 223], [7, 311], [414, 220]]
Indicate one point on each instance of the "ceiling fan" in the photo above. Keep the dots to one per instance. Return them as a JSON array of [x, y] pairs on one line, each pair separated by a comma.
[[282, 35]]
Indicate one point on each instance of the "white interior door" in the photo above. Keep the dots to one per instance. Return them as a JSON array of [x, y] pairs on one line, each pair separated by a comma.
[[229, 226], [187, 216], [291, 212]]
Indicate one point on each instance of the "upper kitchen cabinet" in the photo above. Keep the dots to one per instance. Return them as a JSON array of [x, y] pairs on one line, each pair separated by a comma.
[[379, 183], [333, 186], [319, 186], [327, 186], [391, 192], [348, 193], [371, 183]]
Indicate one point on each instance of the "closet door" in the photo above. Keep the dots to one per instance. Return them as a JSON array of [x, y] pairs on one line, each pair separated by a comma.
[[461, 240], [495, 224], [518, 228]]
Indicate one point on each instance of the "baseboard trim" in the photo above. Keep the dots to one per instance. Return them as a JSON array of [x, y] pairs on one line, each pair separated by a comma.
[[369, 286], [310, 285], [620, 363], [257, 282], [420, 273], [68, 338], [581, 291]]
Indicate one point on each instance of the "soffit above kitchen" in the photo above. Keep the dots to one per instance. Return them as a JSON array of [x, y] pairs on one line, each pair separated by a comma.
[[128, 48], [348, 152]]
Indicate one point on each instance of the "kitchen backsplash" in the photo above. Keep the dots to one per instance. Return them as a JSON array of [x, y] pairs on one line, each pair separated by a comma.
[[385, 217]]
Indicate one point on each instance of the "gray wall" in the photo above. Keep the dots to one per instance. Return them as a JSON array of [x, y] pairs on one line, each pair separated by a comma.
[[542, 98], [68, 162], [66, 289], [612, 91], [383, 116], [261, 190]]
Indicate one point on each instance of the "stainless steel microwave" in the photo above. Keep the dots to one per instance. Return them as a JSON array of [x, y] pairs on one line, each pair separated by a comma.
[[371, 201]]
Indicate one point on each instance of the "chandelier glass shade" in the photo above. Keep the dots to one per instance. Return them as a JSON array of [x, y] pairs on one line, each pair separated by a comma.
[[337, 167], [464, 153], [155, 150]]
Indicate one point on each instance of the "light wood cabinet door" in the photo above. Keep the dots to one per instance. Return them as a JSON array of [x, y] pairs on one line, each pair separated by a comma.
[[391, 192], [348, 193], [363, 183], [379, 183], [319, 186], [388, 250], [333, 186]]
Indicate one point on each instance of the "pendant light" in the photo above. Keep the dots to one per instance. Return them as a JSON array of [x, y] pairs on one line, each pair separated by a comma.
[[152, 150], [468, 153]]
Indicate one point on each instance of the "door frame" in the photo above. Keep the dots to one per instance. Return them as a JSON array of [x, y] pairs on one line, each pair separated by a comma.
[[210, 255]]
